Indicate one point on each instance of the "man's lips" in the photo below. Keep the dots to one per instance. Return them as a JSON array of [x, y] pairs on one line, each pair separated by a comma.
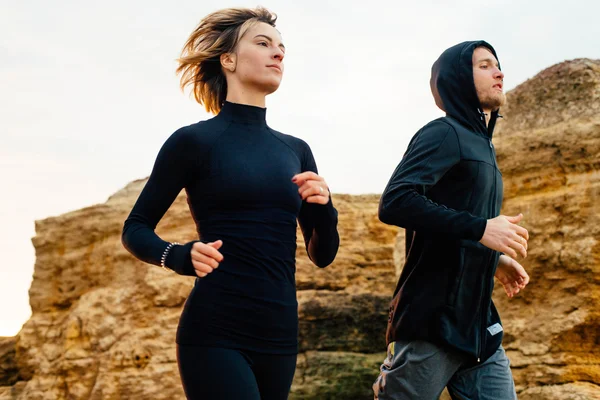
[[498, 86]]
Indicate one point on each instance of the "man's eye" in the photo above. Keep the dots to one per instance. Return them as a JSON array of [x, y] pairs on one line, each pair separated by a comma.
[[484, 66]]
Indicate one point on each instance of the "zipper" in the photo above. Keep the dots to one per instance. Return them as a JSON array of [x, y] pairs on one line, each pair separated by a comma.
[[486, 279], [483, 312]]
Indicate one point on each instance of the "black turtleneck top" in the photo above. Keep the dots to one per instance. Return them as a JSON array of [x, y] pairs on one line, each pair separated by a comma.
[[237, 173]]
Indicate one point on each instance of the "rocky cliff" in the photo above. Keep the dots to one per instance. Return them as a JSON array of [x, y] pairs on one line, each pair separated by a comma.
[[103, 323], [549, 152]]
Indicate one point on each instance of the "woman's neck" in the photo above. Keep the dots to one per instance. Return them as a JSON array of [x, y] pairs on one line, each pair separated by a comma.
[[243, 96]]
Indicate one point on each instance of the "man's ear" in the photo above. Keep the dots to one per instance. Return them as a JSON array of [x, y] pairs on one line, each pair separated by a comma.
[[228, 61]]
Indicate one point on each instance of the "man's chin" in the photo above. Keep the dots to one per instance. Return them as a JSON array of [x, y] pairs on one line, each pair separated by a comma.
[[495, 103]]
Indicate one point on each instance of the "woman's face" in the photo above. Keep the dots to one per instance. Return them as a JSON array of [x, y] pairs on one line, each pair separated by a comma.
[[259, 58]]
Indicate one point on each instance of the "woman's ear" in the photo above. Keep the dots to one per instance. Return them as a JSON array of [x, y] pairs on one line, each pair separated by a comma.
[[228, 61]]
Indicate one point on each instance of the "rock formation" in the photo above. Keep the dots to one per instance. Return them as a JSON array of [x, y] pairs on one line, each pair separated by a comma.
[[103, 323], [549, 152]]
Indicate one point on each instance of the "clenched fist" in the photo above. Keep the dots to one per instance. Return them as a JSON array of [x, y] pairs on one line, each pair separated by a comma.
[[206, 257]]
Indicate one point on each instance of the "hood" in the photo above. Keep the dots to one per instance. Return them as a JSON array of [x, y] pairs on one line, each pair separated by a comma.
[[453, 86]]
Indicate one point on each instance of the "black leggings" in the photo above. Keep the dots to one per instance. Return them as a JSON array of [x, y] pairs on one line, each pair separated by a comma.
[[215, 373]]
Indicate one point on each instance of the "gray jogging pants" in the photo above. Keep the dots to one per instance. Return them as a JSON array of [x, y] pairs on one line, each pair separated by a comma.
[[420, 370]]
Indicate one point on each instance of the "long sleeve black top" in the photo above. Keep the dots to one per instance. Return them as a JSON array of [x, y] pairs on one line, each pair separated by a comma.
[[237, 174]]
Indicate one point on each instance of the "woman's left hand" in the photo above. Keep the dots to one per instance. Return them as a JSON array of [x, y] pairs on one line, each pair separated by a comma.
[[312, 187]]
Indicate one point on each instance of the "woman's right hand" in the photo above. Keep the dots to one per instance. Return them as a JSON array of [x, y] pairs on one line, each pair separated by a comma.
[[206, 257]]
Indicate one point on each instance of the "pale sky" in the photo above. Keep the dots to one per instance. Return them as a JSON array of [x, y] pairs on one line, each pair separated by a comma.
[[88, 92]]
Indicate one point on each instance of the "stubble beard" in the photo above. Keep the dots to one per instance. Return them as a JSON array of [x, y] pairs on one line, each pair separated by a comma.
[[492, 101]]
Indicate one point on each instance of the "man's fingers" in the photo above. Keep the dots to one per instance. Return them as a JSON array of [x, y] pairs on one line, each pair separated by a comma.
[[511, 274], [520, 239], [521, 282], [521, 231], [517, 246], [508, 288], [516, 219], [512, 290], [520, 249], [509, 251]]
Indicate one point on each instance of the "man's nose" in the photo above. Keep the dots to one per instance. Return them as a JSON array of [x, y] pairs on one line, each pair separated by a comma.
[[499, 74]]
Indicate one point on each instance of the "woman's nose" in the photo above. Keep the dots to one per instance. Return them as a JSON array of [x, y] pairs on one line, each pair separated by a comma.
[[279, 54]]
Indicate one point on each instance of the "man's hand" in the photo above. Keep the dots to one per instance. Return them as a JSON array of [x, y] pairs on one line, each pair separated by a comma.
[[206, 257], [512, 275], [312, 187], [504, 235]]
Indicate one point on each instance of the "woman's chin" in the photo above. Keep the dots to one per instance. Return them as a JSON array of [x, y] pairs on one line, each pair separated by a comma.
[[271, 87]]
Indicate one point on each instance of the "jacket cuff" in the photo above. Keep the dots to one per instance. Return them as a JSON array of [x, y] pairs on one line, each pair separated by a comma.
[[477, 229]]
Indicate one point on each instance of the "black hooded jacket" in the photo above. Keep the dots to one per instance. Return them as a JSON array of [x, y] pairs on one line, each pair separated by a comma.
[[443, 192]]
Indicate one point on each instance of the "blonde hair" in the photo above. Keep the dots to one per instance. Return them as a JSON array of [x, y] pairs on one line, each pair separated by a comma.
[[200, 62]]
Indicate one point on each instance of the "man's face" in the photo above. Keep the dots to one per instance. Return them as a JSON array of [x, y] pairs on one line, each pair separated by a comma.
[[488, 80]]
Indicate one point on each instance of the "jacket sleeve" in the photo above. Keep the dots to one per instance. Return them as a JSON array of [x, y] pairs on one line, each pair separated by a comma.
[[433, 151], [318, 223], [169, 175]]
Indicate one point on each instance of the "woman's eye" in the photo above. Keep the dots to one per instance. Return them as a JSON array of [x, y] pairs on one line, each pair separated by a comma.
[[263, 44]]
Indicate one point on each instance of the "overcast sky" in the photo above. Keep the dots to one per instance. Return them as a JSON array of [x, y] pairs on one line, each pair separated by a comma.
[[88, 92]]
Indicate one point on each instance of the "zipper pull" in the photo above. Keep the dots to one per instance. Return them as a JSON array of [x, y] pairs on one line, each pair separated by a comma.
[[482, 115], [491, 144]]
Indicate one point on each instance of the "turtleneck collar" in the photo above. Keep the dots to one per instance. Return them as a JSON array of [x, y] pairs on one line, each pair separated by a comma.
[[244, 113]]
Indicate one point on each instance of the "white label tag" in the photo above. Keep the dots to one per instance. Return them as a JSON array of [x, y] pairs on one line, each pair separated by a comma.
[[495, 329]]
